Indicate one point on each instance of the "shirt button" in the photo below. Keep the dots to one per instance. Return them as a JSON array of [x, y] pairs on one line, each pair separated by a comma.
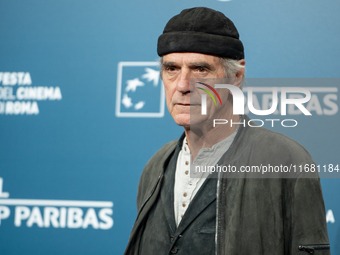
[[185, 148], [187, 162], [182, 216], [183, 204], [185, 194], [174, 250], [186, 172]]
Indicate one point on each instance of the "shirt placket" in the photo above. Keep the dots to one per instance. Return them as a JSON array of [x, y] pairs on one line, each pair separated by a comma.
[[189, 183]]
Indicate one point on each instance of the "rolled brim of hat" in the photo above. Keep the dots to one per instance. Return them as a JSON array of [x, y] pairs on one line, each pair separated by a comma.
[[193, 41]]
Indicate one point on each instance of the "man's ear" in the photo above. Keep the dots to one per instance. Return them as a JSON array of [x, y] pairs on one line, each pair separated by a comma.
[[240, 75]]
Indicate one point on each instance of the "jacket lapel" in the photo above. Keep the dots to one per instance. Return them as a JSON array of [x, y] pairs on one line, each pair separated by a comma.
[[167, 193], [154, 191], [203, 198]]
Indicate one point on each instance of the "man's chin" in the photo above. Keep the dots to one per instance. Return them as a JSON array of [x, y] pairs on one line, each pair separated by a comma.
[[182, 120], [183, 123], [187, 121]]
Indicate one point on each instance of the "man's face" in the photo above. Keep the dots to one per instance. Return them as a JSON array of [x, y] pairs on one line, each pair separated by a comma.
[[178, 69]]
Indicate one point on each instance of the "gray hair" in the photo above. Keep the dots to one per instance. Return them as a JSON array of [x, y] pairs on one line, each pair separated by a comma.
[[230, 66]]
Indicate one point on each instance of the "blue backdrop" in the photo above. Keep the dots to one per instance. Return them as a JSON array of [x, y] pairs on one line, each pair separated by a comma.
[[82, 109]]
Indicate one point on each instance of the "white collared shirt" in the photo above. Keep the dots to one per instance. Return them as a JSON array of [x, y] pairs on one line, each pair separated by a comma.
[[185, 187]]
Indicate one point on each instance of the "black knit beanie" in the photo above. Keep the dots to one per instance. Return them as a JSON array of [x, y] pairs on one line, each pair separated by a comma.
[[201, 30]]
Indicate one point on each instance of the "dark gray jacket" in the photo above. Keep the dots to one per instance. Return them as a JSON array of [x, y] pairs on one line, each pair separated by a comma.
[[253, 215]]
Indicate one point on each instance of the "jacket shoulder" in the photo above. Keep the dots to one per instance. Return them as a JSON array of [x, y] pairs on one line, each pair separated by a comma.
[[160, 156], [276, 147], [153, 170]]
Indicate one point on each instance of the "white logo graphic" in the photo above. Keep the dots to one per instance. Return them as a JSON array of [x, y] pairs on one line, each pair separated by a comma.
[[139, 90], [316, 100], [56, 213], [294, 99]]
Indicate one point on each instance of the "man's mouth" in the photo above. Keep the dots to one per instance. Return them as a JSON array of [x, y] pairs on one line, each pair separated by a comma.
[[192, 104]]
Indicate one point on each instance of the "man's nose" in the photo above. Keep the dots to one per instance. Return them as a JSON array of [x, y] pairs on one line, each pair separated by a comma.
[[183, 84]]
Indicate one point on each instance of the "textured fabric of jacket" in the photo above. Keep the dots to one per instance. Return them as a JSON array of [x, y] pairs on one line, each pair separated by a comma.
[[160, 234], [253, 215]]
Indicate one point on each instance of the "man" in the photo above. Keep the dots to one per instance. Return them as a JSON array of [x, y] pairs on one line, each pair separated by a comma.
[[178, 214]]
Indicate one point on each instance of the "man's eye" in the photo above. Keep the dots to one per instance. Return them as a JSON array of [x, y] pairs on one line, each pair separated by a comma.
[[201, 69], [171, 69]]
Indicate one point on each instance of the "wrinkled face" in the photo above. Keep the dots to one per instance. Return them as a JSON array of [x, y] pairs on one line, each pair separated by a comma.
[[178, 69]]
